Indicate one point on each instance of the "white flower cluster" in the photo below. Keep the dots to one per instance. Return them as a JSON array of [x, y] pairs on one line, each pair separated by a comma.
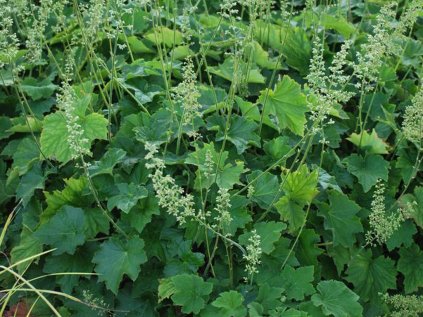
[[187, 94], [382, 225], [36, 32], [412, 126], [253, 255], [9, 42], [78, 144], [404, 305], [327, 87], [223, 205], [171, 196]]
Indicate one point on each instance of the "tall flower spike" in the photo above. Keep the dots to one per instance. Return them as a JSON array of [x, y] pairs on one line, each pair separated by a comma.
[[382, 225], [253, 255], [187, 94], [412, 126]]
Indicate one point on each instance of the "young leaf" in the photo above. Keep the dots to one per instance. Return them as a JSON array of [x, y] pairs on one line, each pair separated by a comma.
[[371, 143], [116, 258]]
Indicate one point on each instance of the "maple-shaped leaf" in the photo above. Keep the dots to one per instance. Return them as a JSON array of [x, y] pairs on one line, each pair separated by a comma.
[[368, 169], [298, 282], [287, 103], [413, 203], [55, 134], [336, 299], [340, 218], [241, 132], [371, 143], [128, 196], [186, 290], [371, 276], [266, 188], [230, 304], [307, 251], [116, 258], [209, 163], [269, 233], [299, 187], [411, 265], [64, 231]]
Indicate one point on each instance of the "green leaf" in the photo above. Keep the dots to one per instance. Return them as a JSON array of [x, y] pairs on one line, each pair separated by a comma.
[[299, 187], [116, 258], [76, 193], [307, 251], [186, 290], [128, 196], [296, 47], [31, 181], [298, 282], [287, 104], [371, 276], [340, 218], [371, 143], [77, 263], [64, 231], [227, 71], [227, 174], [26, 154], [241, 132], [55, 134], [269, 233], [265, 188], [109, 160], [402, 236], [411, 265], [28, 246], [163, 35], [36, 88], [230, 304], [368, 170], [337, 299], [414, 205]]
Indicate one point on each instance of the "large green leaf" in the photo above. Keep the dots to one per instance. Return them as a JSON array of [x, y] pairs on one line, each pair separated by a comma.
[[287, 103], [265, 188], [186, 290], [55, 134], [411, 265], [337, 300], [64, 231], [128, 196], [298, 282], [371, 276], [36, 88], [230, 304], [116, 258], [227, 174], [241, 132], [269, 233], [340, 218], [368, 169]]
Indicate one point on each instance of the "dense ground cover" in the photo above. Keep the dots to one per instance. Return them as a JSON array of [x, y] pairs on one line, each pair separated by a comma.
[[211, 158]]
